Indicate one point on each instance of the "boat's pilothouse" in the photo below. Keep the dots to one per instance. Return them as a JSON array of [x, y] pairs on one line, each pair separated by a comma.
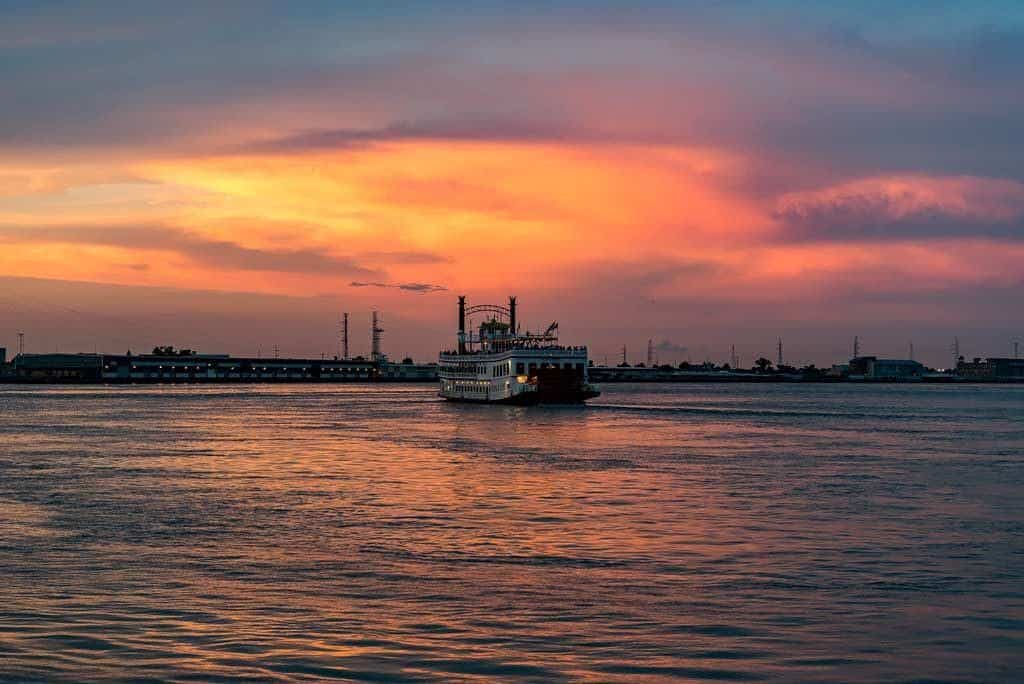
[[499, 363]]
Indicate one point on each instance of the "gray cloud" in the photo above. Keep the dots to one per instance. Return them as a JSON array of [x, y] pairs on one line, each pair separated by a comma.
[[869, 215], [466, 128], [848, 90], [219, 253], [409, 257], [419, 288]]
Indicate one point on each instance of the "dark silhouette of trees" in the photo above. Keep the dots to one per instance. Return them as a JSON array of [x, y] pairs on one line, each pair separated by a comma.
[[169, 350]]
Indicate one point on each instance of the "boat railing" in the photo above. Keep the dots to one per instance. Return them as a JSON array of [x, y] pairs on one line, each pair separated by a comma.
[[512, 348]]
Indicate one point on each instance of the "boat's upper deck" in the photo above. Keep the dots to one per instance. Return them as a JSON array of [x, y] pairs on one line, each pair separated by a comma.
[[525, 351]]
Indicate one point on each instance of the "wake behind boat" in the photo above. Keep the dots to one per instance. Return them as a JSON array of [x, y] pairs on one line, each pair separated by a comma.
[[498, 364]]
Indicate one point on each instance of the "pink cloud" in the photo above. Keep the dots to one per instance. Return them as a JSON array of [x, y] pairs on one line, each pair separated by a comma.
[[908, 207]]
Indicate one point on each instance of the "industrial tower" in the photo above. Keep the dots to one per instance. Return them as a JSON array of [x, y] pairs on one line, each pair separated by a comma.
[[344, 337], [376, 331]]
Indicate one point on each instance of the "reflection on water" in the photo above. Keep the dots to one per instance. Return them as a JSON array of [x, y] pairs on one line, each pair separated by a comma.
[[722, 532]]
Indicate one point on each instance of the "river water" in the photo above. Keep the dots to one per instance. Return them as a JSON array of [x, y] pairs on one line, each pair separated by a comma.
[[730, 532]]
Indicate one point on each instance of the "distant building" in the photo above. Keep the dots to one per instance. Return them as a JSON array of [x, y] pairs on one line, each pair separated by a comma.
[[991, 369], [409, 371], [874, 368], [224, 368], [201, 368], [838, 370], [57, 367]]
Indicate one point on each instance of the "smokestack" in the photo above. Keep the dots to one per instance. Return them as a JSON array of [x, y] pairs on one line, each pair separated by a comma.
[[376, 330], [512, 314], [462, 324]]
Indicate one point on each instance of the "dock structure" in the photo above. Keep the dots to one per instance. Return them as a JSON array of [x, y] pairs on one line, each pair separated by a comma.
[[193, 368], [206, 368]]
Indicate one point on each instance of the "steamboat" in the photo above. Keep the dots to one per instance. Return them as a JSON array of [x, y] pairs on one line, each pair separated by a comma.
[[498, 364]]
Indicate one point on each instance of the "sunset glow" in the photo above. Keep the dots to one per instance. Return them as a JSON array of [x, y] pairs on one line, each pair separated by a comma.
[[682, 159]]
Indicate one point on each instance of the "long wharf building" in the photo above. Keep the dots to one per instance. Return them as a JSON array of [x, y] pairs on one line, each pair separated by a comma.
[[206, 368]]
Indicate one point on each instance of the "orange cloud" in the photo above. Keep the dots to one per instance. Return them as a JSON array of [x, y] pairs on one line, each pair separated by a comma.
[[656, 220]]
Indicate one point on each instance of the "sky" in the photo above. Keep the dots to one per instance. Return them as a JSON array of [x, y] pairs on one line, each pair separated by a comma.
[[231, 176]]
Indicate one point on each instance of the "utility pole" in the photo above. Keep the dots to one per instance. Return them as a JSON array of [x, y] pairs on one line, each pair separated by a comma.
[[956, 352], [276, 351], [734, 362], [779, 364], [911, 351], [856, 347], [624, 355], [650, 353], [21, 343]]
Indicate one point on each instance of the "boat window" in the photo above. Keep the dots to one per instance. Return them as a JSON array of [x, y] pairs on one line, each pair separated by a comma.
[[520, 368]]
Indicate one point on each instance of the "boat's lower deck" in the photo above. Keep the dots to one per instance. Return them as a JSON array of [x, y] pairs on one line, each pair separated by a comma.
[[548, 386]]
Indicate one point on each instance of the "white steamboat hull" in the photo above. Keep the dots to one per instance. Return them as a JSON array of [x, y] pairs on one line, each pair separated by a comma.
[[518, 376]]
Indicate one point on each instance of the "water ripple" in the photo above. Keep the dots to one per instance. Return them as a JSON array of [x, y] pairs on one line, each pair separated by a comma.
[[373, 533]]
